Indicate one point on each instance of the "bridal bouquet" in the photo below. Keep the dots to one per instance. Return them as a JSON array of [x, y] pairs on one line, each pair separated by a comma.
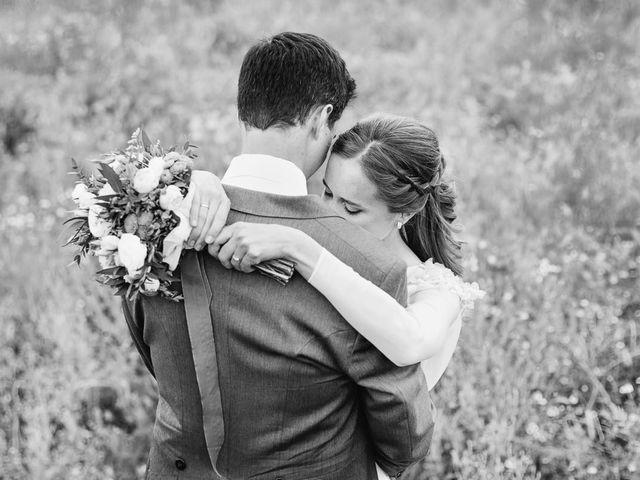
[[133, 216]]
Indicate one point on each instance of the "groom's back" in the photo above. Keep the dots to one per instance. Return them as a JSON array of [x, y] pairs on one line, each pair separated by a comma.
[[289, 366]]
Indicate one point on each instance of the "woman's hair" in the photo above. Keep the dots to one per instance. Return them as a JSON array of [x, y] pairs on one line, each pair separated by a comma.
[[402, 158]]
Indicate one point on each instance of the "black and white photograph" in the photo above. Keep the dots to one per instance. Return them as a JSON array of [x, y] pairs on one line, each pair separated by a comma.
[[319, 240]]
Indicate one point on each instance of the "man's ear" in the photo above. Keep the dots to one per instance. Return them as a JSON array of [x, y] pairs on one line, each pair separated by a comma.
[[320, 119], [325, 114]]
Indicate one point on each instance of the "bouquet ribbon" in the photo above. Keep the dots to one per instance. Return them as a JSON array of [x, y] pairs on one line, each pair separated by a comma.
[[174, 242]]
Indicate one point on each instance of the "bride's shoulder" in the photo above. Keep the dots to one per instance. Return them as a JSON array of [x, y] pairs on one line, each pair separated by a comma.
[[431, 275]]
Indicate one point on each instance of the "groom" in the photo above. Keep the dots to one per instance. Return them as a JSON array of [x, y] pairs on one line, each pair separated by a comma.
[[262, 381]]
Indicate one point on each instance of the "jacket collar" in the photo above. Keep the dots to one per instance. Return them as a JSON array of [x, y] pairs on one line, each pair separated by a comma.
[[267, 174], [277, 206]]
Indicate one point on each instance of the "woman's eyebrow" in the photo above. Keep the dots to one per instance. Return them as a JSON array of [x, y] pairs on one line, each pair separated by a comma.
[[346, 200]]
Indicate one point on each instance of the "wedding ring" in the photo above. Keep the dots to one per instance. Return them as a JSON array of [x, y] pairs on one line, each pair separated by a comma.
[[235, 259], [204, 205]]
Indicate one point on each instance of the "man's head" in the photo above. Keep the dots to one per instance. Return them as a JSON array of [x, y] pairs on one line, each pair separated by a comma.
[[294, 80]]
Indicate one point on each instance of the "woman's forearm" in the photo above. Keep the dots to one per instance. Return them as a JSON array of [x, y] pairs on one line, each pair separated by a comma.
[[405, 336], [304, 251]]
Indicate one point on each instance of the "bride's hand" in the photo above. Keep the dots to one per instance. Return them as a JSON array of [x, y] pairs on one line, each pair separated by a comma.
[[243, 245], [209, 209]]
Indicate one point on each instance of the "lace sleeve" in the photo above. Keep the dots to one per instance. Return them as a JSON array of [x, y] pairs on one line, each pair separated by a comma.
[[430, 275]]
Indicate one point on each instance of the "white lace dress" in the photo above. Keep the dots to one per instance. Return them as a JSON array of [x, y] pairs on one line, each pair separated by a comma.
[[434, 277], [426, 331]]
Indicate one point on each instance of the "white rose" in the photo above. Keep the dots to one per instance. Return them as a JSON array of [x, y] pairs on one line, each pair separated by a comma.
[[171, 198], [146, 179], [151, 285], [106, 261], [170, 158], [78, 190], [106, 190], [157, 164], [110, 243], [98, 226], [132, 252], [107, 245], [82, 196], [181, 164]]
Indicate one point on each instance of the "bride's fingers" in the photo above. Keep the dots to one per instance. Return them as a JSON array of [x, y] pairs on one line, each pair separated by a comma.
[[213, 250], [246, 264], [226, 243], [231, 254], [195, 207], [222, 238], [219, 220], [194, 214], [239, 259], [236, 259], [225, 253], [205, 227]]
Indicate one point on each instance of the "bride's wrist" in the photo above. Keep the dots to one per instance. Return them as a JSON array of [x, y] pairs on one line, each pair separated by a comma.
[[304, 251]]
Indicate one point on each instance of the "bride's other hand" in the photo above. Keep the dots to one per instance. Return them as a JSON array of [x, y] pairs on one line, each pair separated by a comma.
[[209, 209], [243, 245]]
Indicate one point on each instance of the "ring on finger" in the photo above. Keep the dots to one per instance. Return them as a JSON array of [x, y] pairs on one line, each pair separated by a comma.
[[235, 259], [204, 205]]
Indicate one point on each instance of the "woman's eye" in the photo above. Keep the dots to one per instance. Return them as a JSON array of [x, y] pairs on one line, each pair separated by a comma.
[[327, 193], [351, 211]]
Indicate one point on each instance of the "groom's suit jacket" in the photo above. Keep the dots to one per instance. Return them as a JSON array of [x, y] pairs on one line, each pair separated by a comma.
[[303, 395]]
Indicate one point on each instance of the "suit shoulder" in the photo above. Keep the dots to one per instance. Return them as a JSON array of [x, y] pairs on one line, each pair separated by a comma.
[[358, 248]]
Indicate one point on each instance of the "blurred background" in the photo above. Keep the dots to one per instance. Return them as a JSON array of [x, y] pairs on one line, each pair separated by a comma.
[[537, 106]]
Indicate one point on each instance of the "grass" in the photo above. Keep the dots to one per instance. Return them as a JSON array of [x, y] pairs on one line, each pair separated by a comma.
[[535, 105]]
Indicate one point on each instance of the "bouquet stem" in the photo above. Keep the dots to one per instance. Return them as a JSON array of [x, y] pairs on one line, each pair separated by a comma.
[[279, 269]]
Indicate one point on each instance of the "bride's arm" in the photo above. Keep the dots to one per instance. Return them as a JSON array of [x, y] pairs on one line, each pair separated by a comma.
[[405, 336]]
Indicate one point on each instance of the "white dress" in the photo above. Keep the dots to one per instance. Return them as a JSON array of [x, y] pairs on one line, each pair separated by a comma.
[[426, 331]]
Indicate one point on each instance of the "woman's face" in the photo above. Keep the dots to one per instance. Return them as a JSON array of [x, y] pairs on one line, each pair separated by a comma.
[[349, 192]]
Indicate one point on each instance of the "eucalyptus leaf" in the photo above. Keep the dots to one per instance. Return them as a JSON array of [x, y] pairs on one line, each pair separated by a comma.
[[145, 139], [112, 177]]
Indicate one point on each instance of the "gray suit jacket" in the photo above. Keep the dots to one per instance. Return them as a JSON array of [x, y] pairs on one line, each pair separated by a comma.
[[303, 395]]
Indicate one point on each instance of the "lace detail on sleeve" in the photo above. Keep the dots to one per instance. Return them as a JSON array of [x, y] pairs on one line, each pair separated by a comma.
[[434, 275]]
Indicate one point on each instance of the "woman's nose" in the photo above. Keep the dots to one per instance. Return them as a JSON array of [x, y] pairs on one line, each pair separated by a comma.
[[331, 203]]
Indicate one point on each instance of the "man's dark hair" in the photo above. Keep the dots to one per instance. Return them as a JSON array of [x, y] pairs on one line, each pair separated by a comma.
[[283, 78]]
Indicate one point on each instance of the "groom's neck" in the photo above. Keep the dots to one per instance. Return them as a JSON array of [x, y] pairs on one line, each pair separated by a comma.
[[287, 143]]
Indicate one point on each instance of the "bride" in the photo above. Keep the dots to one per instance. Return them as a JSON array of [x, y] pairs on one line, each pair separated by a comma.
[[385, 174]]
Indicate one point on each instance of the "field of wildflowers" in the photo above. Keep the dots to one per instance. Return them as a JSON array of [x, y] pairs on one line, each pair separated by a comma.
[[536, 105]]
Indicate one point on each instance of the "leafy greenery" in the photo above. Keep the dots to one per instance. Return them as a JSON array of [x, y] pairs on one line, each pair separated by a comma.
[[536, 106]]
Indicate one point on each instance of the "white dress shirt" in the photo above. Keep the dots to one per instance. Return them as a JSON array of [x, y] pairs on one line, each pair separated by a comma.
[[265, 173]]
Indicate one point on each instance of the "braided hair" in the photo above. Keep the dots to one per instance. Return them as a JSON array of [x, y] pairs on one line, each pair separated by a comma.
[[402, 158]]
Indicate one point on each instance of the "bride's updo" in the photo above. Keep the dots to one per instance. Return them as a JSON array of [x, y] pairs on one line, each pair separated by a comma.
[[402, 158]]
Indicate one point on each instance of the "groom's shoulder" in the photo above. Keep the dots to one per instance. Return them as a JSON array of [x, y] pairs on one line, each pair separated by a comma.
[[354, 245], [349, 243]]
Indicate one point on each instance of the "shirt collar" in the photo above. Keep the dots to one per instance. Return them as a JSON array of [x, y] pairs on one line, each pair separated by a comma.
[[265, 173]]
